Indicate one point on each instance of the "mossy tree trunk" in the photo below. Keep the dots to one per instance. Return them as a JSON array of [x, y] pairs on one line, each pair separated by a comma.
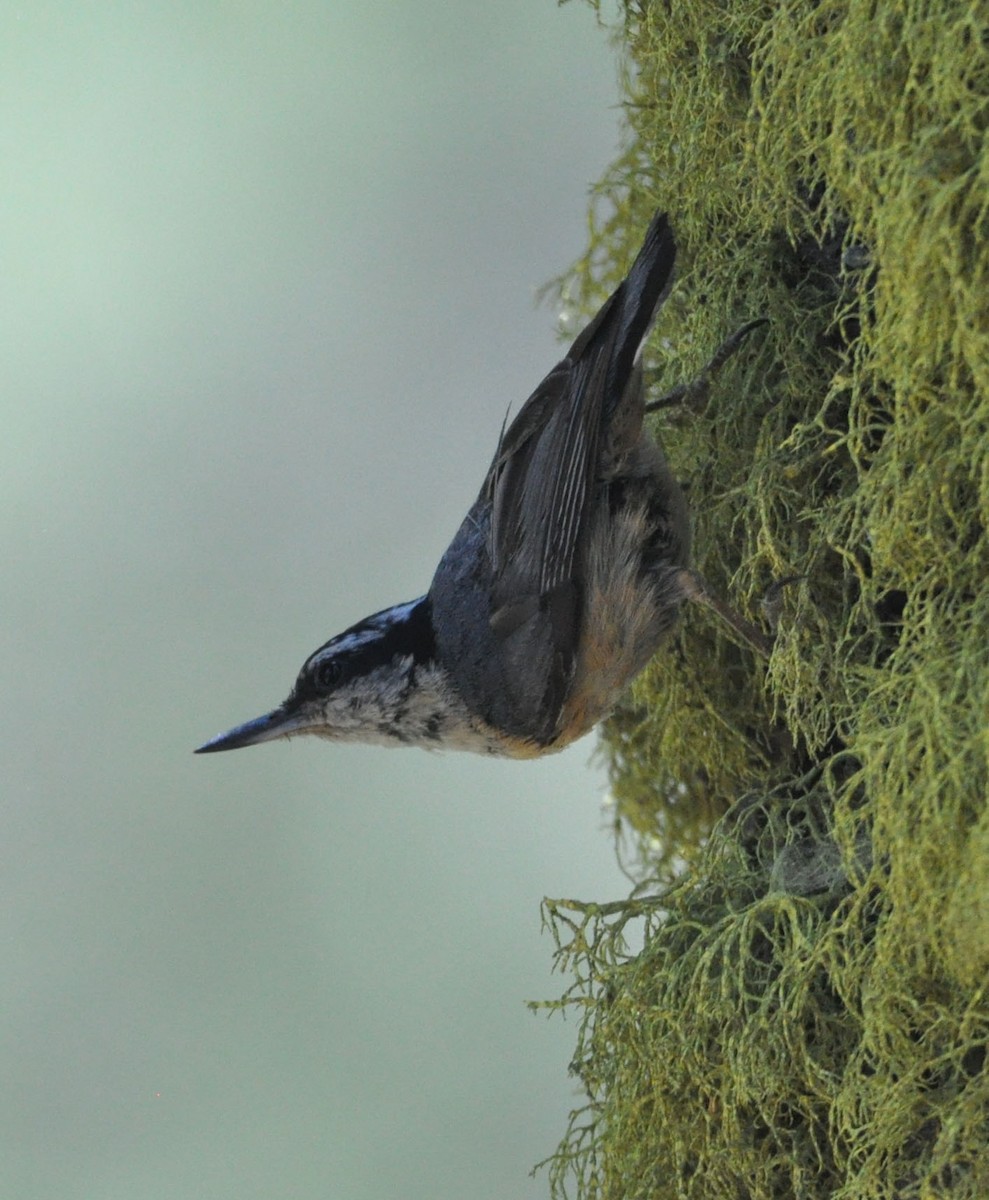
[[809, 1014]]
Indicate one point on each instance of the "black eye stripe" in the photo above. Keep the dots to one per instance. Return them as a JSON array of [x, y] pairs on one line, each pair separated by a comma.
[[328, 674], [404, 631]]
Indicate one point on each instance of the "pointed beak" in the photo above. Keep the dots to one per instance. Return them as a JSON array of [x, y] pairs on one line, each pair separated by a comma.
[[275, 724]]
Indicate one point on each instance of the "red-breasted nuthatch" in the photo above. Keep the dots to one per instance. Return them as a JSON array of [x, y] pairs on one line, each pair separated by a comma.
[[564, 577]]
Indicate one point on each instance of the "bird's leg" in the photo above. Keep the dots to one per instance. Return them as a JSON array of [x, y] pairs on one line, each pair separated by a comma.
[[694, 587], [694, 393]]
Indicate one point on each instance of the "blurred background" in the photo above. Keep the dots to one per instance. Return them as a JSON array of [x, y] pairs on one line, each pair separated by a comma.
[[268, 287]]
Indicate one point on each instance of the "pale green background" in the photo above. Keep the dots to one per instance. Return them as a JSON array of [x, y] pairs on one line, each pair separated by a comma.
[[268, 275]]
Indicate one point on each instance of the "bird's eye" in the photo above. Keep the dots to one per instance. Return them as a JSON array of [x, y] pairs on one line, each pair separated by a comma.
[[328, 674]]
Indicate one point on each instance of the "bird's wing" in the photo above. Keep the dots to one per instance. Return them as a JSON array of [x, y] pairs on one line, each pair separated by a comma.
[[541, 483]]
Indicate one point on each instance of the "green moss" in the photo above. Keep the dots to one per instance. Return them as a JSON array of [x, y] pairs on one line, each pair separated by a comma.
[[771, 1039], [808, 1016]]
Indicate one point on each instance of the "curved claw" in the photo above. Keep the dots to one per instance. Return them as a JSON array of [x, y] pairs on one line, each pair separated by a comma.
[[771, 605], [695, 588], [694, 393]]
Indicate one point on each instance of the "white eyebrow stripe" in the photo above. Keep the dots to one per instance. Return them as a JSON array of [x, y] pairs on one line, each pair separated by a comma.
[[350, 641], [399, 610], [369, 630]]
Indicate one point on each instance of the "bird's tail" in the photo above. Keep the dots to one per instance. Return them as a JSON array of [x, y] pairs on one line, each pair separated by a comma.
[[637, 300]]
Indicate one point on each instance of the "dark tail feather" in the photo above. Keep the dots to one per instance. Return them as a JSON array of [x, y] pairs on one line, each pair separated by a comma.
[[637, 300]]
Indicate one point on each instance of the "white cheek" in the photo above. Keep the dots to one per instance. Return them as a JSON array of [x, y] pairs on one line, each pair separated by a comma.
[[348, 714]]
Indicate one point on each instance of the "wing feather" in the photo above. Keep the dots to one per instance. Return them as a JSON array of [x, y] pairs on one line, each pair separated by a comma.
[[542, 483]]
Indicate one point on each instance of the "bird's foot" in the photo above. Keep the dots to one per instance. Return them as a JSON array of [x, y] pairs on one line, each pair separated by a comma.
[[694, 394], [771, 604], [695, 588]]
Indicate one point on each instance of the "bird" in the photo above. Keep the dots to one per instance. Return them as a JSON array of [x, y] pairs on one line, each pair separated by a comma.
[[565, 576]]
